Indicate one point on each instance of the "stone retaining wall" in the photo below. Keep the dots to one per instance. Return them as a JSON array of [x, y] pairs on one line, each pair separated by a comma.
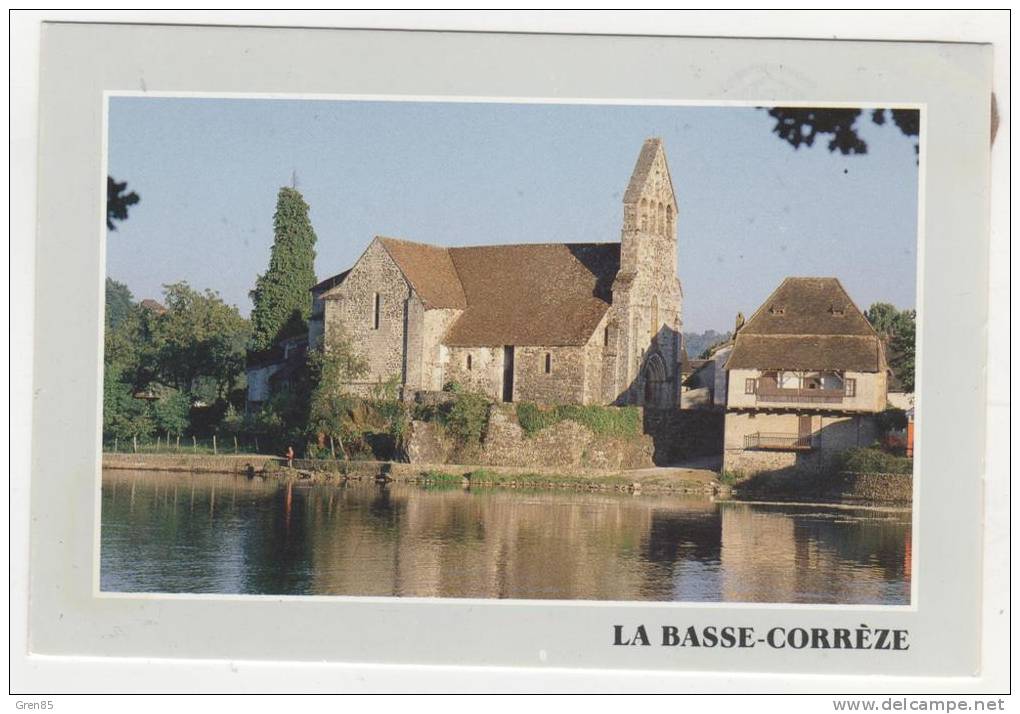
[[565, 444], [878, 487], [679, 435], [828, 486]]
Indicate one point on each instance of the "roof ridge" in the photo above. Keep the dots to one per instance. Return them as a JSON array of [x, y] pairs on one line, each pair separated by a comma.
[[394, 239], [418, 288], [812, 335], [523, 245]]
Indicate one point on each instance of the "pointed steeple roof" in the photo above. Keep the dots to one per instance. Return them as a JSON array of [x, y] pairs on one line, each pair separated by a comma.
[[650, 151]]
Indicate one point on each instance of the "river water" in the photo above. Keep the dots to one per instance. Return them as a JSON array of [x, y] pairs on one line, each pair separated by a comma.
[[198, 533]]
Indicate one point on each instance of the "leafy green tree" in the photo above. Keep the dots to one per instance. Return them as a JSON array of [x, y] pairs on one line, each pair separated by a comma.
[[199, 336], [171, 411], [118, 202], [898, 328], [282, 301], [119, 302], [332, 367], [124, 416]]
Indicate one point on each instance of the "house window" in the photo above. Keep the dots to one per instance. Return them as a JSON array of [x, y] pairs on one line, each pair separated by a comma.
[[548, 363], [750, 385], [469, 363], [376, 310], [851, 387]]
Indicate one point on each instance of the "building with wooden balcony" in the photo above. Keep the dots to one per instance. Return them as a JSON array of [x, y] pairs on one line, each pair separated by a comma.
[[806, 377]]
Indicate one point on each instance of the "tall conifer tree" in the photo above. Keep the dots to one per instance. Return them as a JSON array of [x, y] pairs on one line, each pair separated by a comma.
[[282, 299]]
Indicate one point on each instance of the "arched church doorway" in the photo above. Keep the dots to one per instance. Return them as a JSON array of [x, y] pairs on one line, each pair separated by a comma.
[[655, 380]]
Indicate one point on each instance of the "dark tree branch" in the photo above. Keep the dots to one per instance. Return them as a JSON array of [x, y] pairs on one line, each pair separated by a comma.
[[798, 125], [117, 202]]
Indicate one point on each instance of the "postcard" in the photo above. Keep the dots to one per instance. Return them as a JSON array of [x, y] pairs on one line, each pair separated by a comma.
[[511, 350]]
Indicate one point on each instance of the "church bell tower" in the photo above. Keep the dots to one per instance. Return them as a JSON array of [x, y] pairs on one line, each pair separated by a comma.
[[646, 291]]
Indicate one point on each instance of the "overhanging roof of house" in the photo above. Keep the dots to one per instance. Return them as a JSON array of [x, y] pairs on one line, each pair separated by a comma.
[[808, 323]]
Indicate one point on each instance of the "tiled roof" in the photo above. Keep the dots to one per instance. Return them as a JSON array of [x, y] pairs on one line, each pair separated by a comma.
[[809, 352], [533, 294], [330, 282], [526, 294], [808, 306], [430, 271], [808, 323]]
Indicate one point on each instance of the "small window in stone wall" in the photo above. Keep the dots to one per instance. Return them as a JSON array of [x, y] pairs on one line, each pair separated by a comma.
[[851, 387], [469, 363], [605, 337], [548, 363], [376, 310], [750, 385]]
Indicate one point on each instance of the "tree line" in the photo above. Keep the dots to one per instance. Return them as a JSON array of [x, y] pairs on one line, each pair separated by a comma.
[[178, 367]]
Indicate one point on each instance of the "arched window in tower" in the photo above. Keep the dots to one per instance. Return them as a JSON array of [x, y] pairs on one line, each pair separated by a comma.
[[376, 310], [669, 220], [653, 325], [660, 218], [644, 214]]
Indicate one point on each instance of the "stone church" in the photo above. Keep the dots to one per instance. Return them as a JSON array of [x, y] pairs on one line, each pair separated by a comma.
[[581, 323]]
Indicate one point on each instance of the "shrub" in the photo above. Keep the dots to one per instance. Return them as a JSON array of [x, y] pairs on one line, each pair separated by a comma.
[[729, 478], [466, 417], [869, 460]]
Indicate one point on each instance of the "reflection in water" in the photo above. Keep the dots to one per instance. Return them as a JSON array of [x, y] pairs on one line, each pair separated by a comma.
[[164, 532]]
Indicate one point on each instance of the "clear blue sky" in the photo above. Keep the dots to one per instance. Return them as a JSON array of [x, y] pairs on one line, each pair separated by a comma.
[[752, 210]]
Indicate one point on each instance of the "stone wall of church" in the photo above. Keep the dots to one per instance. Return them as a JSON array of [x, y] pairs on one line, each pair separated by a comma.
[[594, 357], [435, 356], [649, 323], [484, 374], [351, 309], [564, 383]]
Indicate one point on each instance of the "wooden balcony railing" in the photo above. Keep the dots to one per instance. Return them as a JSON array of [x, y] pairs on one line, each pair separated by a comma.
[[778, 442], [803, 396]]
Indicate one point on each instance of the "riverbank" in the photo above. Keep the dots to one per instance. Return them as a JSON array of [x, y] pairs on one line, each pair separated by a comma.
[[665, 480], [847, 488]]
